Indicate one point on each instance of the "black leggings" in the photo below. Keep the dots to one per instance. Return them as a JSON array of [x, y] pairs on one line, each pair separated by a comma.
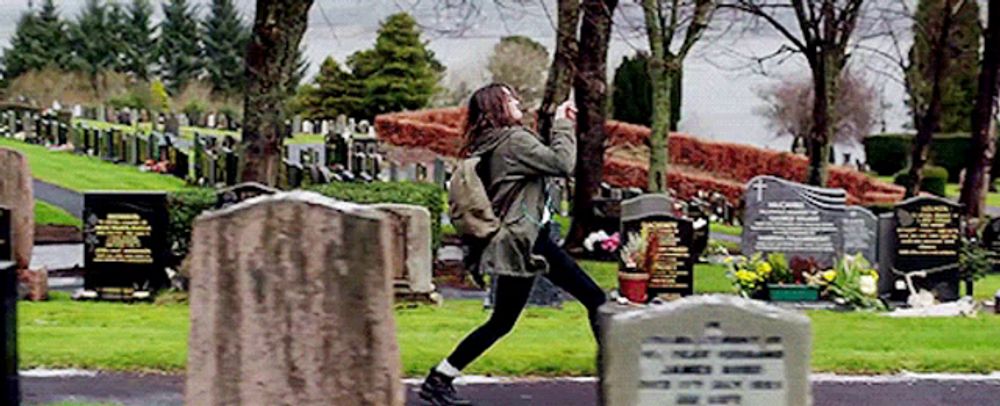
[[512, 295]]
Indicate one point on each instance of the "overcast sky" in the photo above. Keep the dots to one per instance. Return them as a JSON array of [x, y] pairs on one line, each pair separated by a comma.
[[720, 90]]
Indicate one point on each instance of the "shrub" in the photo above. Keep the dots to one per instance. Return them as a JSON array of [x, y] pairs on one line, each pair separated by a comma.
[[890, 153], [183, 207], [420, 194], [935, 179]]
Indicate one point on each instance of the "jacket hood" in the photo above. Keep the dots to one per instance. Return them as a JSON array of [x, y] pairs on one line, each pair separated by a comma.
[[491, 139]]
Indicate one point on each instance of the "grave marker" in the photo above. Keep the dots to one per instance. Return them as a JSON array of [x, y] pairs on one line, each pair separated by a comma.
[[10, 391], [291, 303], [125, 242], [705, 350], [651, 218], [928, 238], [860, 227], [991, 241], [16, 193], [6, 235]]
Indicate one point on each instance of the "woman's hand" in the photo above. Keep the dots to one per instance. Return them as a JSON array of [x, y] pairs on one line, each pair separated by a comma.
[[567, 110]]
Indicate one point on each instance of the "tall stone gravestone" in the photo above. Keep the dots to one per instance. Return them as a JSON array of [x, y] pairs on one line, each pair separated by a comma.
[[991, 241], [928, 238], [705, 350], [412, 260], [291, 303], [651, 218], [860, 228], [16, 193], [125, 242], [800, 221]]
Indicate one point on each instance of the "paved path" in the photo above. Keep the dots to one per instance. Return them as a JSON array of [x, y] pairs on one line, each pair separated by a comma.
[[68, 200], [167, 390]]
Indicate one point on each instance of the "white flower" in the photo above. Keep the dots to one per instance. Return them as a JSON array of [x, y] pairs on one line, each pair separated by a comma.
[[594, 238], [868, 285]]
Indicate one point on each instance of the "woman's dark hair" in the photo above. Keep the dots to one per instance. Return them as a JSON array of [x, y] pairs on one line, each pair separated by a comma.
[[487, 110]]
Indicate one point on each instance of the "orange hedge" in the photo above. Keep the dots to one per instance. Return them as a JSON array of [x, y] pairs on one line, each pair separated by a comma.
[[734, 164]]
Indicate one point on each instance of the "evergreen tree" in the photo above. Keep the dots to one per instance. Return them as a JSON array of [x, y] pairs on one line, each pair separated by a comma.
[[334, 91], [400, 73], [96, 47], [140, 46], [226, 39], [958, 88], [298, 73], [632, 97], [39, 40], [178, 47]]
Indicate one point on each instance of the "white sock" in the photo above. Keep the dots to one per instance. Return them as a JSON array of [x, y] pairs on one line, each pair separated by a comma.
[[447, 369]]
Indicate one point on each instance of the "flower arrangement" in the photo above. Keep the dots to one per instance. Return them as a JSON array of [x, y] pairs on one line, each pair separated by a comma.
[[602, 244], [751, 275], [633, 254], [852, 282]]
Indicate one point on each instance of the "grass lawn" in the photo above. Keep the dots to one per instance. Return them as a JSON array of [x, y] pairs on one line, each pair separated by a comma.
[[82, 173], [954, 190], [726, 229], [49, 215]]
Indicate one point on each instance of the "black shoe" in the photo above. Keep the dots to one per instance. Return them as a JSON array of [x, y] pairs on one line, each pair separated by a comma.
[[437, 390]]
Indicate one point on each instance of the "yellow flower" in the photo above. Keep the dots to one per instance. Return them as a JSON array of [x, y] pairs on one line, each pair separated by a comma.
[[728, 260], [763, 268], [745, 276], [830, 275]]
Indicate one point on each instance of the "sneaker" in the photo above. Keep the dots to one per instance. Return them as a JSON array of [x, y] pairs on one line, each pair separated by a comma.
[[437, 390]]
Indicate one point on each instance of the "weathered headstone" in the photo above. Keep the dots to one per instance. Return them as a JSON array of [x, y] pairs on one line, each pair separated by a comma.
[[125, 242], [797, 220], [412, 260], [705, 350], [991, 241], [928, 238], [291, 303], [16, 193], [860, 228], [240, 192], [651, 218]]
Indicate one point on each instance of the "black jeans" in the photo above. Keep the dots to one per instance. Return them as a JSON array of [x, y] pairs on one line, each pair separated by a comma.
[[512, 295]]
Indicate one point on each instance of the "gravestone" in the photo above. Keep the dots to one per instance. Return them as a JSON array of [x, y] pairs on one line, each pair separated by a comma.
[[125, 242], [887, 256], [291, 303], [651, 218], [6, 235], [991, 241], [705, 350], [860, 228], [800, 221], [412, 260], [10, 390], [16, 193], [928, 238], [244, 191]]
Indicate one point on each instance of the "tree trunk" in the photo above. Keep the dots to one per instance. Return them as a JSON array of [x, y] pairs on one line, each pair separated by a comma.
[[983, 144], [661, 75], [818, 143], [591, 88], [928, 124], [270, 59], [560, 79]]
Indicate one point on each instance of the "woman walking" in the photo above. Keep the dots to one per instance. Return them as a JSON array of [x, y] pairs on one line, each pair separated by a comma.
[[516, 168]]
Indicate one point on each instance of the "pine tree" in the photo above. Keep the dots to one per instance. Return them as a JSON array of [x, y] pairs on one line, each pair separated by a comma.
[[226, 38], [958, 88], [334, 91], [95, 46], [39, 40], [178, 47], [140, 47], [632, 97], [400, 73]]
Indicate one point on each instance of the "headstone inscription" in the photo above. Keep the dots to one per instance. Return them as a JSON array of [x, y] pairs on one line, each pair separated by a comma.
[[668, 241], [860, 227], [928, 239], [314, 326], [991, 241], [797, 220], [125, 242], [240, 192], [705, 350]]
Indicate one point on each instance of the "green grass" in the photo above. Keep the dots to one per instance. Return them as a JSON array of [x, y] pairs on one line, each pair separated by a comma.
[[49, 215], [80, 404], [81, 173], [726, 229], [954, 190]]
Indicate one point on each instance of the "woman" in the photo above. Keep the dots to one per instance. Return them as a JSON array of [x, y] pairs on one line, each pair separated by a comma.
[[516, 168]]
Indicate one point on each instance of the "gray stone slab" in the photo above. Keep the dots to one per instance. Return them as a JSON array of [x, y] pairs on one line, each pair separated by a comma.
[[57, 257], [860, 227], [16, 193], [412, 259]]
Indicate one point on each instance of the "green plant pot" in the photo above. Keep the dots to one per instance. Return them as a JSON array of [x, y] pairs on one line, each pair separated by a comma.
[[792, 293]]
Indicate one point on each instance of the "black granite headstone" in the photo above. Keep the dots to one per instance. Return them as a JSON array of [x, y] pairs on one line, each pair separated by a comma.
[[6, 235], [797, 220], [651, 218], [10, 388], [125, 240], [240, 192], [928, 238], [991, 241], [861, 233]]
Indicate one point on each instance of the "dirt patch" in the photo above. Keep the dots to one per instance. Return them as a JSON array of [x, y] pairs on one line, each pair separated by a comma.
[[48, 234]]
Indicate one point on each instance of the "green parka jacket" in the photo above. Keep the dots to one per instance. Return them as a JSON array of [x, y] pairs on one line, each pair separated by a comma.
[[520, 166]]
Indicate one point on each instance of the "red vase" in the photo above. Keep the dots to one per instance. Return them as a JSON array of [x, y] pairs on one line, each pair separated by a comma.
[[634, 286]]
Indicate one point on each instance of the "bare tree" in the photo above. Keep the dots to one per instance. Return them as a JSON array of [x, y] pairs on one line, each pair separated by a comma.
[[821, 32], [591, 87], [560, 79], [983, 144], [663, 23], [788, 108], [270, 58]]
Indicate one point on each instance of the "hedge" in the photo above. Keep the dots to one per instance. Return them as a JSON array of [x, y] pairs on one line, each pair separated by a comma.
[[420, 194], [889, 154], [934, 180], [183, 207]]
